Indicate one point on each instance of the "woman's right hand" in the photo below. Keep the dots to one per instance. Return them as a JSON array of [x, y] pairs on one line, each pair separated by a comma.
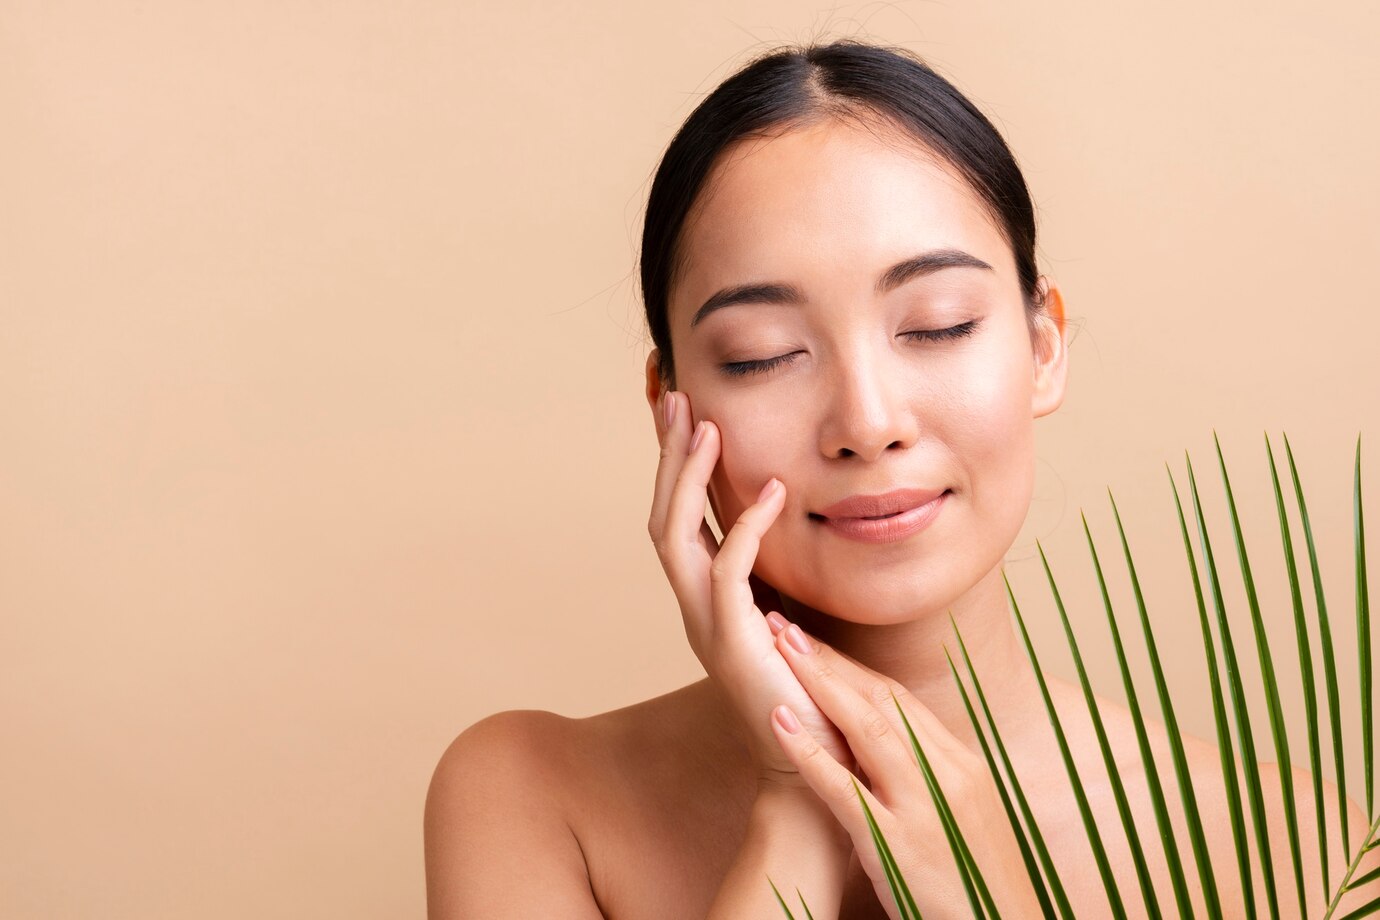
[[715, 587]]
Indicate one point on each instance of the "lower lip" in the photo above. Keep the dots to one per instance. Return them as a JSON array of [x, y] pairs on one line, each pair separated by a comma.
[[890, 529]]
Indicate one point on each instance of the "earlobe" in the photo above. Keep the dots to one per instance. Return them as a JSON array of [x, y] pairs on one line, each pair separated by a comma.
[[1051, 354]]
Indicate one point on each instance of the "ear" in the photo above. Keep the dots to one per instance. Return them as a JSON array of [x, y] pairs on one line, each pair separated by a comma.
[[1050, 341], [654, 387]]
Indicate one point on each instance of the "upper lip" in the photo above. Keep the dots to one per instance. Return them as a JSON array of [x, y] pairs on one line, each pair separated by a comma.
[[897, 500]]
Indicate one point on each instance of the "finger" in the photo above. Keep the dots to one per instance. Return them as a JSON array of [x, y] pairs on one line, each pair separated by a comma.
[[883, 752], [673, 442], [729, 574], [685, 556], [838, 788], [673, 459], [678, 550], [880, 690]]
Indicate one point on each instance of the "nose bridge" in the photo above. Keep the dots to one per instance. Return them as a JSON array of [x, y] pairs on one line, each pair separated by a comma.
[[868, 409]]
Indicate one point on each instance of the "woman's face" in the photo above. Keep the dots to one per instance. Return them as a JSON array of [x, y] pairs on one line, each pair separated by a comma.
[[857, 406]]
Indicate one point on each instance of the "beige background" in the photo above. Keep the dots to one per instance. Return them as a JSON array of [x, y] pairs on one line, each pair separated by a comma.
[[320, 386]]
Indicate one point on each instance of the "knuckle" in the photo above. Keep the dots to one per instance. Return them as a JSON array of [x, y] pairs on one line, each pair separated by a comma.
[[811, 751], [879, 692], [841, 789], [719, 568], [821, 669], [685, 479], [892, 694], [663, 550], [875, 725]]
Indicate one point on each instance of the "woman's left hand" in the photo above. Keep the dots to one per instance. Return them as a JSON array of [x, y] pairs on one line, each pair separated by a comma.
[[859, 702]]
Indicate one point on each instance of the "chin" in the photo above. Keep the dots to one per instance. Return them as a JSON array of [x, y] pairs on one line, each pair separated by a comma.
[[872, 589], [881, 599]]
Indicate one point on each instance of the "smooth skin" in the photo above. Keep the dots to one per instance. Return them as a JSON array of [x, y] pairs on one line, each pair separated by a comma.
[[878, 717], [658, 809]]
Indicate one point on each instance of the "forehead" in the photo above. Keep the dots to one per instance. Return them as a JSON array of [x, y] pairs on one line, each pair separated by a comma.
[[826, 207]]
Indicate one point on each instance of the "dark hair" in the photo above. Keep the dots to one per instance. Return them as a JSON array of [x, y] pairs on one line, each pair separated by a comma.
[[798, 85]]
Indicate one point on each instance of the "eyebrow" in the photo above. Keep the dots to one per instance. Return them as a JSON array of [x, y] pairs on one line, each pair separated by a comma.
[[925, 263]]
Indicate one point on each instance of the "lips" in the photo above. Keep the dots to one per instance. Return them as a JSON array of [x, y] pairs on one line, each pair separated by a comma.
[[880, 506]]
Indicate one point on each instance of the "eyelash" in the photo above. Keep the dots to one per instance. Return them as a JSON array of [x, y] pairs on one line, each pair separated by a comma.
[[744, 368]]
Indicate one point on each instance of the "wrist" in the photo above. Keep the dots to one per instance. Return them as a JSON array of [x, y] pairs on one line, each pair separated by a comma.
[[790, 807]]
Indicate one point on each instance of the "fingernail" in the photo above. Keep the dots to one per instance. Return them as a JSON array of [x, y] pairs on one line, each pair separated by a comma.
[[787, 719], [669, 409], [797, 639], [767, 489], [776, 621], [699, 433]]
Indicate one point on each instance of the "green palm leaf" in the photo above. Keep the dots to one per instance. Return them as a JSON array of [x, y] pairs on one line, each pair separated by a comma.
[[1276, 713], [1085, 810], [1147, 885], [1349, 884], [1304, 669], [1066, 909], [1245, 740], [1219, 714], [967, 867], [1146, 756], [1027, 857], [1176, 745], [1363, 637], [782, 901], [899, 889], [1329, 671]]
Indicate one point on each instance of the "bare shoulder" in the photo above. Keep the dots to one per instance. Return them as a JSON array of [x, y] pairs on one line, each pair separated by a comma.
[[1306, 815], [1206, 765], [650, 784], [496, 801], [513, 743]]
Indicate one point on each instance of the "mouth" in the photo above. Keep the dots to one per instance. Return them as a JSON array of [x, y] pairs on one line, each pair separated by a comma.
[[874, 517], [879, 507], [915, 515]]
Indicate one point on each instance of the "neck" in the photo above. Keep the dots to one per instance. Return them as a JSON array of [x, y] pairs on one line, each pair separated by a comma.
[[913, 654]]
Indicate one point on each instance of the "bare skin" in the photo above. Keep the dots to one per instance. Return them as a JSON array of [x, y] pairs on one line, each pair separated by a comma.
[[660, 800], [850, 392]]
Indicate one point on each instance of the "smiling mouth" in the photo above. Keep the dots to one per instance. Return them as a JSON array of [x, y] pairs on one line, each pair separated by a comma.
[[879, 517], [891, 528]]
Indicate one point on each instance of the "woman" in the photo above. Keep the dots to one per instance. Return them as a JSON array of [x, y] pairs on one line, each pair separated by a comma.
[[852, 342]]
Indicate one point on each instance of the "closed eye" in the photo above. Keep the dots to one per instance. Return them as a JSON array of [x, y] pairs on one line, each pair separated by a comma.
[[744, 368], [953, 332]]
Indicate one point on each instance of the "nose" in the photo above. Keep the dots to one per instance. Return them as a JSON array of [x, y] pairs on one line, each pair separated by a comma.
[[868, 409]]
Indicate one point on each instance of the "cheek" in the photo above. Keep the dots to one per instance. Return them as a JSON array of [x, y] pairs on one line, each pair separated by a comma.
[[752, 452], [995, 441]]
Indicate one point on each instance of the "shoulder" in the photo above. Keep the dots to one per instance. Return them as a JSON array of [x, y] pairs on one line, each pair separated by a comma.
[[518, 752], [1207, 780], [1306, 811], [497, 799]]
